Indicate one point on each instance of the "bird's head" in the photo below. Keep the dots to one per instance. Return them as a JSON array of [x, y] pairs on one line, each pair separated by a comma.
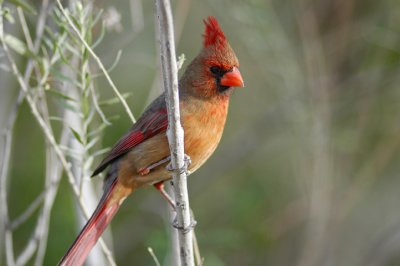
[[216, 69]]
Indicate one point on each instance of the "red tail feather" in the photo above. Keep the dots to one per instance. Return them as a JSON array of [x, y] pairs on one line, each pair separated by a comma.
[[83, 244]]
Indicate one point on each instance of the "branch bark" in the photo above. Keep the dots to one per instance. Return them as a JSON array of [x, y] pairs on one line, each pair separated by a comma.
[[175, 131]]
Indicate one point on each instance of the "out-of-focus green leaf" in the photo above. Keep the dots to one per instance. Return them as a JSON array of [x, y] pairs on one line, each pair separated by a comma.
[[115, 63], [92, 143], [60, 94], [56, 118], [100, 37], [101, 152], [100, 128], [16, 44], [24, 5], [97, 18], [70, 107], [85, 106], [6, 13], [76, 135], [114, 100], [59, 76]]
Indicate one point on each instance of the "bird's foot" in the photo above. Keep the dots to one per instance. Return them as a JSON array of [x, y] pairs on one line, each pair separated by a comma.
[[185, 229], [145, 170], [184, 169]]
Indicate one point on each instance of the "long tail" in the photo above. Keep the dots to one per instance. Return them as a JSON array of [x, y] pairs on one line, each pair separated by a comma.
[[102, 216]]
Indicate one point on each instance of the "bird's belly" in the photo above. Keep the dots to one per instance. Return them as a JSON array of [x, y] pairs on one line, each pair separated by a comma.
[[201, 142], [199, 150]]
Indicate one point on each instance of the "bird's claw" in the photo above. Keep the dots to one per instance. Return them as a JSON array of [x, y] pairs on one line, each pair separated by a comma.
[[184, 169], [185, 229], [143, 171]]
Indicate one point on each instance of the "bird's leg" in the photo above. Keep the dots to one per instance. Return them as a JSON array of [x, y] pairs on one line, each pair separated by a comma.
[[160, 187], [184, 169], [147, 169]]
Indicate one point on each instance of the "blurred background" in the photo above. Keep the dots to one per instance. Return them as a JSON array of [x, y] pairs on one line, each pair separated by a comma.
[[307, 172]]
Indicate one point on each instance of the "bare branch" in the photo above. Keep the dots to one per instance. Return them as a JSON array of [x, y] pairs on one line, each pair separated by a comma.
[[24, 216], [175, 131]]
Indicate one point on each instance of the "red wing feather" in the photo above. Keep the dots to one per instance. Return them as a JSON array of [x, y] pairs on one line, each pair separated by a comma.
[[150, 124]]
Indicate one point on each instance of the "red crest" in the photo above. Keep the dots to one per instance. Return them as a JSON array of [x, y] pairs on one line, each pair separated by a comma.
[[213, 34]]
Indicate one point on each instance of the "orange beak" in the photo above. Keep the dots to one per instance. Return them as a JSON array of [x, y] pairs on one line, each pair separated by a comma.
[[232, 78]]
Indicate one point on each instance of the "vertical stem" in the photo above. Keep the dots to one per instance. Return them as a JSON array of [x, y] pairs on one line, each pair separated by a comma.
[[175, 131]]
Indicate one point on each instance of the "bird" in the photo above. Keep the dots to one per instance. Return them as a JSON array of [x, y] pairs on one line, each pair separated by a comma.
[[140, 158]]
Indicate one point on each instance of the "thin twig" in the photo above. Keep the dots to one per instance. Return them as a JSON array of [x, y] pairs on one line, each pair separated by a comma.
[[175, 130], [24, 27], [98, 61], [53, 177], [24, 216], [196, 250], [97, 107], [157, 262]]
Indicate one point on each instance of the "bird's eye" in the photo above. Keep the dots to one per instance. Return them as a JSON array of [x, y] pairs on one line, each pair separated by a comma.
[[215, 70]]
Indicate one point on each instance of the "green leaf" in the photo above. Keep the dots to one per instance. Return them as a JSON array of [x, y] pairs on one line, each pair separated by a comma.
[[59, 76], [70, 107], [24, 5], [16, 44], [56, 118], [76, 135], [96, 18], [85, 106], [61, 95], [6, 12], [100, 38], [115, 63], [97, 130], [92, 143], [114, 100], [100, 152]]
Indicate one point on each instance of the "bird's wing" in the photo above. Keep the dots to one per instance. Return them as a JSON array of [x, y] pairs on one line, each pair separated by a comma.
[[152, 122]]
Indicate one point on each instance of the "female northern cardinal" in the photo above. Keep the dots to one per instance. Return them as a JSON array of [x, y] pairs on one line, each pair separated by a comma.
[[141, 156]]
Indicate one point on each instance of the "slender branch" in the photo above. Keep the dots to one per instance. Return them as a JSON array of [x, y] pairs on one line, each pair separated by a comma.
[[156, 261], [24, 27], [98, 61], [24, 216], [175, 131], [53, 177], [39, 237], [196, 250]]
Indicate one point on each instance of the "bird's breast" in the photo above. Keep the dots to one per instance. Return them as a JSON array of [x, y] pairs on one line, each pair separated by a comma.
[[203, 131]]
